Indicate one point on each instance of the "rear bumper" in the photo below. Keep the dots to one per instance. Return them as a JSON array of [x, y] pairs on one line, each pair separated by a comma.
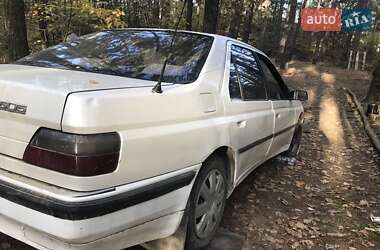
[[155, 229], [94, 207], [49, 220]]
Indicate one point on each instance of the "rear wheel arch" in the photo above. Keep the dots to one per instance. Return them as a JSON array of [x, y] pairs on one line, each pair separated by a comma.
[[301, 118], [205, 212], [228, 156], [295, 144]]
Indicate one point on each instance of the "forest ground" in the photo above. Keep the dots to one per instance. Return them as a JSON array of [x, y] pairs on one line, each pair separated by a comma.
[[325, 198]]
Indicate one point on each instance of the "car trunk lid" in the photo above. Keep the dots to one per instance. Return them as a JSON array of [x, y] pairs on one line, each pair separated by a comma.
[[34, 97]]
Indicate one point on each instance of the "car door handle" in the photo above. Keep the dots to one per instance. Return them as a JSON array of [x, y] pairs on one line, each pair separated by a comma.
[[241, 124], [278, 115]]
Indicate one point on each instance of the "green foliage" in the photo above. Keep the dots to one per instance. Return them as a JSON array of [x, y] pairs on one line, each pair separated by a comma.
[[86, 19], [371, 43], [51, 23]]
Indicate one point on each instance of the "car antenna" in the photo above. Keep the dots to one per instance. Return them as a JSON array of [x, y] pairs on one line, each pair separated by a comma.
[[158, 87]]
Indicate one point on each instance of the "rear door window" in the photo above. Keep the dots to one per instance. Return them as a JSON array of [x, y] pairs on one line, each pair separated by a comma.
[[235, 87], [246, 78]]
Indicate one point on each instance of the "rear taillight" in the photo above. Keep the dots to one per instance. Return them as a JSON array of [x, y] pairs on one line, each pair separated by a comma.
[[73, 154]]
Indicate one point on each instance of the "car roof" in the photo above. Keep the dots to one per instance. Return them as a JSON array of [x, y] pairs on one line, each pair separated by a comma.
[[215, 36]]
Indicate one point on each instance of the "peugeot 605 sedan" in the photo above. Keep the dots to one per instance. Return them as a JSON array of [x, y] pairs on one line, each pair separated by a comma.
[[102, 147]]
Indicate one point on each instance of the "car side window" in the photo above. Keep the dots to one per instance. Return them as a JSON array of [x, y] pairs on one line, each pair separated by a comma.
[[234, 85], [274, 89], [246, 78]]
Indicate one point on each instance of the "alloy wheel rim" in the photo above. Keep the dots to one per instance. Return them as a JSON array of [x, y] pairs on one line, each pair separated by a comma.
[[209, 203]]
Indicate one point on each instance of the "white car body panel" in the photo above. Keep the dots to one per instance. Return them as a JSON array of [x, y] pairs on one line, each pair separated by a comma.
[[286, 113], [246, 119], [42, 86], [156, 229], [84, 231], [162, 136]]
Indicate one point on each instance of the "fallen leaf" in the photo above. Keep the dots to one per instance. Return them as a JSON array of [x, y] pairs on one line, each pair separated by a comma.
[[339, 235], [300, 184], [373, 229], [300, 225], [364, 203], [295, 245], [308, 243], [349, 214], [331, 246], [307, 221]]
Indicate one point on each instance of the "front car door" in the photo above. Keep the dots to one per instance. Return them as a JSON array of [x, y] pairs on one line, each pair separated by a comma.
[[285, 114], [248, 109]]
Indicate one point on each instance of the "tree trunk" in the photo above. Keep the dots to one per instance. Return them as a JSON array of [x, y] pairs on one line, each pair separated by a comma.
[[165, 13], [248, 22], [236, 19], [318, 47], [276, 28], [345, 49], [199, 12], [17, 37], [292, 35], [43, 23], [136, 17], [211, 13], [156, 13], [189, 15], [373, 95]]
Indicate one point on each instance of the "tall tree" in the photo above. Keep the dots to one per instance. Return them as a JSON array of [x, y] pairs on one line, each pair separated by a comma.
[[318, 47], [211, 13], [136, 20], [17, 35], [156, 13], [165, 7], [278, 26], [291, 39], [274, 28], [345, 48], [247, 27], [3, 32], [373, 95], [236, 18], [42, 22], [292, 32], [189, 15]]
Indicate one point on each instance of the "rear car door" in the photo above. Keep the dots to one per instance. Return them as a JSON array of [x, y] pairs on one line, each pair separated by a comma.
[[278, 94], [248, 108]]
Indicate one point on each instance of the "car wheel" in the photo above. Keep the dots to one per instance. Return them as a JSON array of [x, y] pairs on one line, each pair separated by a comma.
[[206, 204], [295, 145]]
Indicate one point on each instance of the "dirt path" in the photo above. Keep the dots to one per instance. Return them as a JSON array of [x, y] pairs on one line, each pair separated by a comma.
[[325, 199]]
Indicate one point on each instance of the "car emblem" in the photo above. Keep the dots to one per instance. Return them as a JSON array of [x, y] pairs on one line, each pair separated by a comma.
[[13, 108]]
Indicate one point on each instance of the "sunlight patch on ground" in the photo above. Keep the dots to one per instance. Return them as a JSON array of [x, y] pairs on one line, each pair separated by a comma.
[[330, 122], [308, 72], [291, 72], [311, 70], [328, 78]]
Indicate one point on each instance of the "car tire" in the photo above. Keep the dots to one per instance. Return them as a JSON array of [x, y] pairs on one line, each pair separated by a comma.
[[206, 203], [295, 145]]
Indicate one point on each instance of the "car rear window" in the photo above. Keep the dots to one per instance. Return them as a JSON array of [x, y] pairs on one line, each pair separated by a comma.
[[128, 53]]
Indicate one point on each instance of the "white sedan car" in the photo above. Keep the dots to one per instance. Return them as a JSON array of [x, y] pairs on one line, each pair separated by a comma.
[[92, 158]]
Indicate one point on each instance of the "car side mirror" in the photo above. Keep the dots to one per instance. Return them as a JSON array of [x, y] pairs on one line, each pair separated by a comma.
[[300, 95]]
